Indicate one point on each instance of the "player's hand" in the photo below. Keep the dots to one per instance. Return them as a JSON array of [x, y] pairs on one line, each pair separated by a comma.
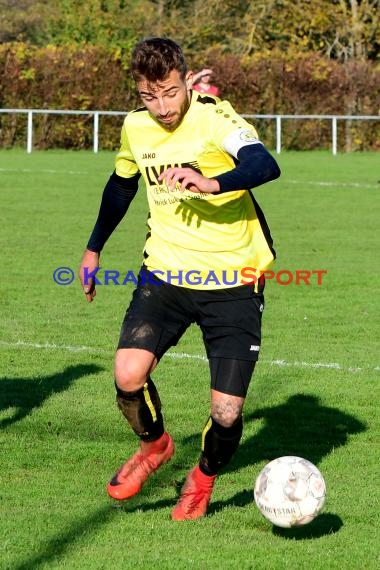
[[188, 179], [90, 261], [198, 76]]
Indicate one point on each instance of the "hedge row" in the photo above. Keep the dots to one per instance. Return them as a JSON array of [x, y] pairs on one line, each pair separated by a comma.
[[91, 78]]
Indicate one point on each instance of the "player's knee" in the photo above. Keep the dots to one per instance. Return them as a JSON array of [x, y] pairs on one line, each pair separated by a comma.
[[129, 375], [132, 368], [226, 417], [226, 410]]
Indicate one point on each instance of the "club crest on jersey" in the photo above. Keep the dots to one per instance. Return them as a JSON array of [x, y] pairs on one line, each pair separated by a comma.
[[247, 136]]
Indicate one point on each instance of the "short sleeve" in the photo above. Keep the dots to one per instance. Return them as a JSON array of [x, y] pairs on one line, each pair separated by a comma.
[[125, 164]]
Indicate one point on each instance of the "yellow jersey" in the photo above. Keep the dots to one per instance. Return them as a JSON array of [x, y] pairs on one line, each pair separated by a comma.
[[195, 240]]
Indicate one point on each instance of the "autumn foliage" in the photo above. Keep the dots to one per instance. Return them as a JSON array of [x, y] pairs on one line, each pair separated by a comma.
[[95, 78]]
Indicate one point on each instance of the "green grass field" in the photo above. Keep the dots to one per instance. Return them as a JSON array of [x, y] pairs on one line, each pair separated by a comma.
[[315, 392]]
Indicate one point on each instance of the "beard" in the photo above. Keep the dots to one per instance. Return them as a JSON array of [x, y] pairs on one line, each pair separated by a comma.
[[173, 121]]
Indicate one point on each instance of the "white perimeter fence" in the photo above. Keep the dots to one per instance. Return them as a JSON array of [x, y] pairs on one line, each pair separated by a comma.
[[278, 118]]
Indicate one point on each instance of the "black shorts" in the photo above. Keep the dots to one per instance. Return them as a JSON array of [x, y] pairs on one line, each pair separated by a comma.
[[160, 313]]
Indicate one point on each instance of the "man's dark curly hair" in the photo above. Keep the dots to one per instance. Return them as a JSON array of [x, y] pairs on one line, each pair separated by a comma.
[[154, 58]]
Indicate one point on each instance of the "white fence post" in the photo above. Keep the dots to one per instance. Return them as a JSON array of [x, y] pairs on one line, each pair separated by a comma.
[[29, 136], [96, 131], [334, 136], [278, 134]]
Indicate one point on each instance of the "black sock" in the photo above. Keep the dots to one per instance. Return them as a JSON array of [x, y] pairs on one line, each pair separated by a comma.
[[220, 443], [142, 410]]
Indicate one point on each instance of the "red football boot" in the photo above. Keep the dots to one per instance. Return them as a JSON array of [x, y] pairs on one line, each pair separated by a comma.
[[195, 496], [133, 474]]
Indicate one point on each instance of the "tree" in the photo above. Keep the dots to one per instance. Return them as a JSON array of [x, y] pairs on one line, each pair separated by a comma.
[[109, 23], [24, 20], [357, 33], [339, 29]]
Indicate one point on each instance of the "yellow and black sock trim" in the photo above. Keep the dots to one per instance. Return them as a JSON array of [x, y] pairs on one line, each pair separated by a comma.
[[142, 410], [219, 443]]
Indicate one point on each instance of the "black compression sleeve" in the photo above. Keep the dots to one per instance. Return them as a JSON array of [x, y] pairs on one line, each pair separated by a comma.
[[256, 166], [117, 196]]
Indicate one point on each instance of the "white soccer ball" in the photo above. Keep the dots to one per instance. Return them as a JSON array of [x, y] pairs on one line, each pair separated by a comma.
[[290, 491]]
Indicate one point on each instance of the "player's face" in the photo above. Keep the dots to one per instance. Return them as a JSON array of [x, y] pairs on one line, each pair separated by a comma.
[[168, 100]]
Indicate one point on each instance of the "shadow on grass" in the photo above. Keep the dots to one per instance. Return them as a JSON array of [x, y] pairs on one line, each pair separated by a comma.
[[325, 523], [52, 549], [302, 427], [24, 395]]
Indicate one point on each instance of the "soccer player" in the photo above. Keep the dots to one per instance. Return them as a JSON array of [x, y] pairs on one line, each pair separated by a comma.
[[198, 159]]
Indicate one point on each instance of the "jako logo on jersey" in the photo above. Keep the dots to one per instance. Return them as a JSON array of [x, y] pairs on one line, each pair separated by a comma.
[[149, 155]]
